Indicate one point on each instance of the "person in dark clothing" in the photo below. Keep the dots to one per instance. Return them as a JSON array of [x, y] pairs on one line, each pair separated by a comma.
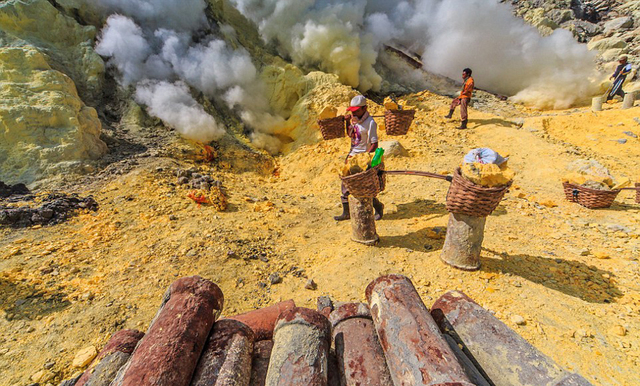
[[619, 76]]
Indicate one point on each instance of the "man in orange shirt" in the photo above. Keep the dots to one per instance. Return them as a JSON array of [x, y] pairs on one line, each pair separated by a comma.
[[463, 99]]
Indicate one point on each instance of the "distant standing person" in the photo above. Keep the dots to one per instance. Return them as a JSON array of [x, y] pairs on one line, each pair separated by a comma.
[[363, 131], [463, 99], [619, 76]]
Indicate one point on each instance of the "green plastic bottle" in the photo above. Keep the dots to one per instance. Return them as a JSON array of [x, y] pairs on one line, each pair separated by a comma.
[[377, 157]]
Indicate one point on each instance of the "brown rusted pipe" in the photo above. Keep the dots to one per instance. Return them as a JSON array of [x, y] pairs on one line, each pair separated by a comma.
[[300, 348], [360, 358], [226, 358], [263, 320], [504, 356], [114, 354], [169, 352], [260, 363], [414, 348]]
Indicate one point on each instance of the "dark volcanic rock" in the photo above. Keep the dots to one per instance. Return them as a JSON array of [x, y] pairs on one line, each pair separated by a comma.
[[11, 190], [55, 208]]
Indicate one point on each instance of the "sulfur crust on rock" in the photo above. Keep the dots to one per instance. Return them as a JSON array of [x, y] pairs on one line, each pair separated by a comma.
[[45, 129], [67, 44]]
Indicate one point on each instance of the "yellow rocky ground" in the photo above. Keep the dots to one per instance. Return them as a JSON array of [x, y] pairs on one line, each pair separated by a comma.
[[570, 272]]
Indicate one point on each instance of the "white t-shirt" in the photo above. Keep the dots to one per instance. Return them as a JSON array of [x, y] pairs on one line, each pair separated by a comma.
[[364, 134]]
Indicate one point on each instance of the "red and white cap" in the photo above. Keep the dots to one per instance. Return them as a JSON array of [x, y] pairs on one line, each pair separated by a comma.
[[357, 102]]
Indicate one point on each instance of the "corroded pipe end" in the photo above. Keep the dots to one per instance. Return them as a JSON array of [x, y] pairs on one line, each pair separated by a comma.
[[199, 286], [347, 311], [224, 329], [448, 302], [385, 280], [262, 321], [307, 316]]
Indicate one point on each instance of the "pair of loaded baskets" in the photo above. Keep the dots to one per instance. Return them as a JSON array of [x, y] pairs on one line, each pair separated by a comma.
[[396, 122]]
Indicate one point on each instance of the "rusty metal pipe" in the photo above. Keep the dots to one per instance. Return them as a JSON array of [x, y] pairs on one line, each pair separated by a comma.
[[113, 356], [360, 358], [263, 320], [169, 352], [415, 350], [260, 363], [226, 358], [300, 349], [504, 356]]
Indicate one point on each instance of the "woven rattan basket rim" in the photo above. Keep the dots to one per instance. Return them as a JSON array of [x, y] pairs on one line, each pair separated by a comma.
[[478, 188]]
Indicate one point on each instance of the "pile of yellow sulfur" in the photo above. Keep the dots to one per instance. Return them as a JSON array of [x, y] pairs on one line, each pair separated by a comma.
[[356, 164]]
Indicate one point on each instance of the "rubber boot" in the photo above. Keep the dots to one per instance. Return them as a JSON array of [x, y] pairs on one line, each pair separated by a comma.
[[345, 213], [463, 125], [379, 208], [450, 115]]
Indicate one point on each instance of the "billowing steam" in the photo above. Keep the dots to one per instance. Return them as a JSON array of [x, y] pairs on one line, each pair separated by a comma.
[[162, 48], [154, 49], [173, 103], [506, 55]]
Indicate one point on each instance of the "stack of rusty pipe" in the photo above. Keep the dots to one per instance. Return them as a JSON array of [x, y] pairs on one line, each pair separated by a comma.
[[393, 340]]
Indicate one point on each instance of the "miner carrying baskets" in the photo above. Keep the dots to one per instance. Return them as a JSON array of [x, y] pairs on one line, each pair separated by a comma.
[[363, 131]]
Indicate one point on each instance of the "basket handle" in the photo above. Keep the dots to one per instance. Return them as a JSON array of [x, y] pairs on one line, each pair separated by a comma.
[[419, 173]]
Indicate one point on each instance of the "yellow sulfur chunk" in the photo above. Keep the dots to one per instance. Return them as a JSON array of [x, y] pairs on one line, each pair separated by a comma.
[[621, 183], [328, 112], [390, 105], [488, 175], [356, 164], [591, 180]]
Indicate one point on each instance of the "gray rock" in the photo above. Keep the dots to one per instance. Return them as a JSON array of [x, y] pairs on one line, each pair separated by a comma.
[[393, 148], [606, 44], [630, 134], [583, 28], [275, 278], [617, 24], [621, 140], [311, 285], [559, 16]]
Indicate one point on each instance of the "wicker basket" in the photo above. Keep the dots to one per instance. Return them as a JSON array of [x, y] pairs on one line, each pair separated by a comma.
[[397, 122], [332, 128], [638, 193], [366, 184], [589, 198], [465, 197]]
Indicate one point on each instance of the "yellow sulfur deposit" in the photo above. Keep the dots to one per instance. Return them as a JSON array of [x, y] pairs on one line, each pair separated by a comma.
[[593, 181], [596, 182], [621, 183], [356, 164], [328, 112], [488, 175], [390, 104]]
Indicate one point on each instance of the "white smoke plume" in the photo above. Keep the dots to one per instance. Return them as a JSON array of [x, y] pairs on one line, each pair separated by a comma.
[[160, 57], [173, 103], [507, 56]]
